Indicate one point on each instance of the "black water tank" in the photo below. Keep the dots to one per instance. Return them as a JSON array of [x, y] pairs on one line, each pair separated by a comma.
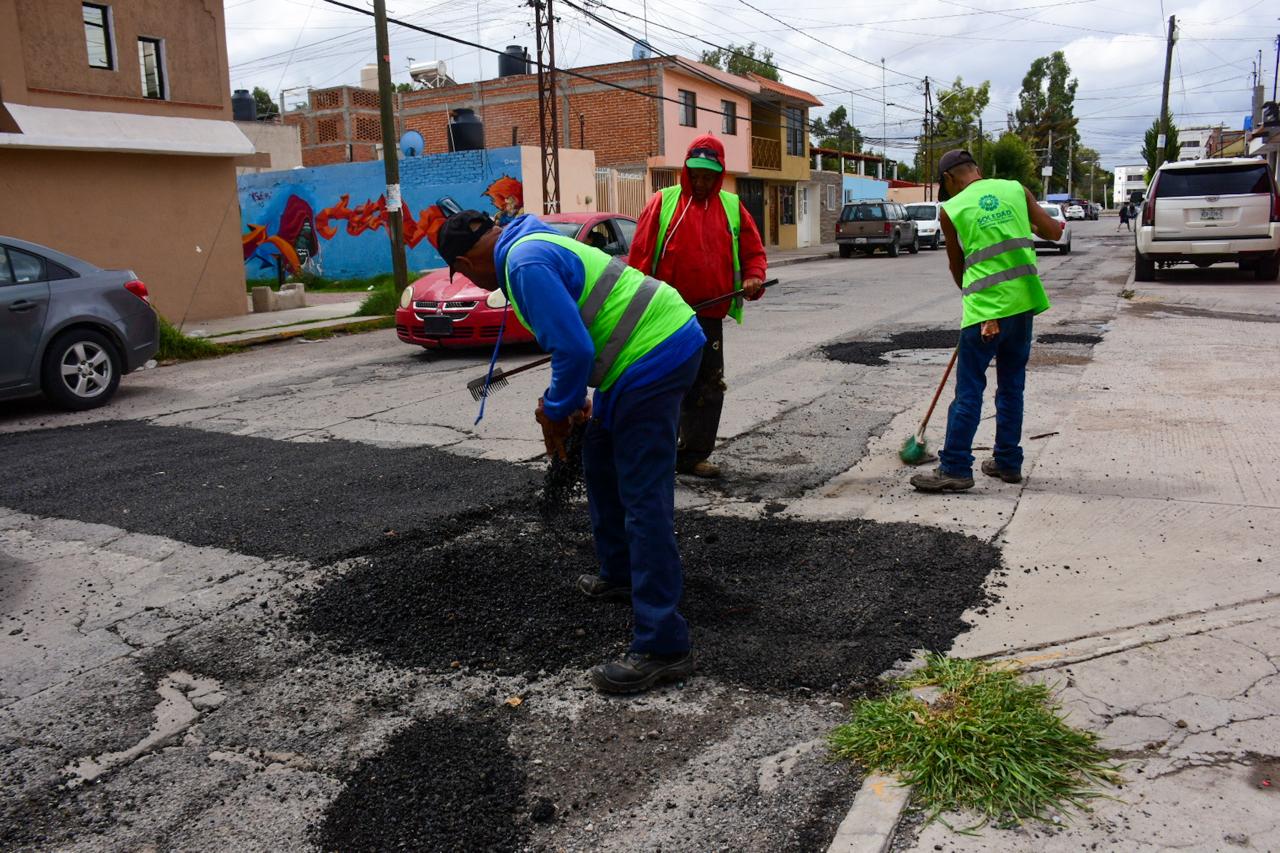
[[515, 60], [243, 106], [466, 131]]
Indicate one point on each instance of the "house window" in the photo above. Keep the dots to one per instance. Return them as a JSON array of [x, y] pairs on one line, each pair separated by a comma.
[[688, 108], [795, 131], [730, 118], [787, 203], [97, 35], [151, 61], [831, 197]]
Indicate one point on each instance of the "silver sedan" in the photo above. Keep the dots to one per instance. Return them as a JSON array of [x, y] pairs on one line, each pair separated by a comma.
[[69, 329]]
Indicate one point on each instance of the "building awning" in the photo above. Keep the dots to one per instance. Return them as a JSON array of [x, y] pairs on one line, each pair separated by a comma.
[[89, 130]]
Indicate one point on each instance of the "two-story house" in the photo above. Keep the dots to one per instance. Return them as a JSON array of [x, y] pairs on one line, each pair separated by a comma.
[[117, 143]]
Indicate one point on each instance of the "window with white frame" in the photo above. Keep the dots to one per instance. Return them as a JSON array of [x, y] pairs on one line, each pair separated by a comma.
[[831, 199]]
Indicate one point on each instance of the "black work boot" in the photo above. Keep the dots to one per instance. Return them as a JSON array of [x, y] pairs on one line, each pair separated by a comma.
[[599, 589], [1009, 475], [938, 480], [637, 672]]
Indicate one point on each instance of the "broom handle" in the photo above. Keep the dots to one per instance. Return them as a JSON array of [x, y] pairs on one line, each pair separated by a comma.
[[936, 394], [699, 307]]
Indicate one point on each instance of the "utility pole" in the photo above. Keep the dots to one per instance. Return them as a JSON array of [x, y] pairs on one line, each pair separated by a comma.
[[548, 115], [1162, 137], [1048, 159], [884, 125], [1070, 167], [928, 146], [1275, 70], [390, 162]]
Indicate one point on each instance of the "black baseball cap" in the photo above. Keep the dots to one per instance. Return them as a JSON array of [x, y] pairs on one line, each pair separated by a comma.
[[954, 157], [460, 233]]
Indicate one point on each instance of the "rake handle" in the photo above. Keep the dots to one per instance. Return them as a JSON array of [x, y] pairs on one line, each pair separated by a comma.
[[699, 307], [936, 394]]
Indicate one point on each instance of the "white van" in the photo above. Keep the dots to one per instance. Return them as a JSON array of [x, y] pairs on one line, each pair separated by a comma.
[[925, 214], [1206, 212]]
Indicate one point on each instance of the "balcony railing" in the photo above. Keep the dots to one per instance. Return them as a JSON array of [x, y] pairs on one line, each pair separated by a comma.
[[766, 153]]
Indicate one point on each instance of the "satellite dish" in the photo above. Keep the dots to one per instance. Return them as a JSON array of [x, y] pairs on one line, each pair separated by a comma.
[[411, 143], [641, 50]]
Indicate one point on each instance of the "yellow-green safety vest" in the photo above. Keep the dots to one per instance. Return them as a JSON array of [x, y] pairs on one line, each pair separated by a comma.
[[626, 312], [1000, 274], [732, 211]]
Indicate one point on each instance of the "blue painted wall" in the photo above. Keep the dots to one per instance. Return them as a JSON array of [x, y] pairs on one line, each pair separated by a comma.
[[856, 187], [331, 220]]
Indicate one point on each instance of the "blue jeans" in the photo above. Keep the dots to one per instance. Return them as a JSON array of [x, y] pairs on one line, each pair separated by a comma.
[[630, 471], [1011, 349]]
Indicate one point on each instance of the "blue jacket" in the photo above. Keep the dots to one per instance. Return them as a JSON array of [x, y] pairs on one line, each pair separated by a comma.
[[546, 281]]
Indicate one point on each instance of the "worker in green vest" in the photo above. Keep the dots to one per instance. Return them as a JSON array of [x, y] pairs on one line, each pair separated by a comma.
[[635, 341], [701, 240], [988, 225]]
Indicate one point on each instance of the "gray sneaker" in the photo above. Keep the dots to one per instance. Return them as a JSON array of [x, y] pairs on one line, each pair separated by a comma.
[[939, 481], [1009, 475]]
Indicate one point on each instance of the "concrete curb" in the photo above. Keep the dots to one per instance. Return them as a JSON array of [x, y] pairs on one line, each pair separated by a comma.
[[787, 262], [870, 824], [266, 336]]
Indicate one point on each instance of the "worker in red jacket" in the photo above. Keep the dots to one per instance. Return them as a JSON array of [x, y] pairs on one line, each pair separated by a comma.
[[701, 240]]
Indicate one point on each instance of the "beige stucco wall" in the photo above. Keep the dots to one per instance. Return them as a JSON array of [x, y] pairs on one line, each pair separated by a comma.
[[577, 179], [279, 141], [175, 221]]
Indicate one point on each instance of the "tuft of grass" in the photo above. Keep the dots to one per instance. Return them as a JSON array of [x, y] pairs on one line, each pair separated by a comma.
[[353, 329], [381, 301], [314, 282], [1126, 294], [990, 743], [175, 346]]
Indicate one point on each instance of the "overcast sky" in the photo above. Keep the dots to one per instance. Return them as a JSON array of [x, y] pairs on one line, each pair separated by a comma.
[[828, 47]]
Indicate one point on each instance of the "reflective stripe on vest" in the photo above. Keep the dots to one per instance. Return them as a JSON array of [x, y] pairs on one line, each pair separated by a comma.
[[733, 215], [999, 278], [615, 328], [999, 249]]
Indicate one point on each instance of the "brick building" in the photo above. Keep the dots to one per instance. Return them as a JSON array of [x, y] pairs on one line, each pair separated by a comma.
[[643, 128]]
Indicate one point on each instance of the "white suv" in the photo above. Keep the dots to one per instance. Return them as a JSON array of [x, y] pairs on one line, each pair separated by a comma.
[[1205, 212]]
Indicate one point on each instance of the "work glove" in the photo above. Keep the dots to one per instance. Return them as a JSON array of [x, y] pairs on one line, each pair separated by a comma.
[[555, 434]]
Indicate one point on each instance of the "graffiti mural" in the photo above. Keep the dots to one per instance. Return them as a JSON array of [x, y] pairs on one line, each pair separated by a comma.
[[332, 220]]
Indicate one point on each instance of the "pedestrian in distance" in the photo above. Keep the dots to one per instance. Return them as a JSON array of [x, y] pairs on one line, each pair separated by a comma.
[[988, 224], [635, 341], [701, 240], [1124, 217]]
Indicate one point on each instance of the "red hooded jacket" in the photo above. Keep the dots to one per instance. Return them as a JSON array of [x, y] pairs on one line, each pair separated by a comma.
[[698, 260]]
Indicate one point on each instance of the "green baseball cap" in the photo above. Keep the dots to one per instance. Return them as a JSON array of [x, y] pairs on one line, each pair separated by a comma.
[[705, 158]]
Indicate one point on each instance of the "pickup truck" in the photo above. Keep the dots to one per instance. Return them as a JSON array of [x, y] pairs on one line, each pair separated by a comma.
[[865, 226]]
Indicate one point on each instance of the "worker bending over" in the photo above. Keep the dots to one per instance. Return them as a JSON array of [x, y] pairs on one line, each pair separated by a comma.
[[988, 225], [635, 341]]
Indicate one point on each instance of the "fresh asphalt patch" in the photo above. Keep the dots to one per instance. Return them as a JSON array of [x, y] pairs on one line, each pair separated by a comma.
[[873, 352], [256, 496], [1056, 338], [773, 604]]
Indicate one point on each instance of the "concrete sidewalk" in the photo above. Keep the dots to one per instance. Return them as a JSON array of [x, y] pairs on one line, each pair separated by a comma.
[[1142, 574], [250, 329]]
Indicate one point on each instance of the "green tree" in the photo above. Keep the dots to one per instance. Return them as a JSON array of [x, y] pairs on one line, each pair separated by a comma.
[[404, 87], [957, 123], [1010, 157], [266, 106], [835, 131], [1046, 106], [1152, 136], [740, 59]]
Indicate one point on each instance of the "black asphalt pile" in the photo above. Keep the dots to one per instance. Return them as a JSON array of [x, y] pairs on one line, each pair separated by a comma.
[[774, 604], [1054, 338], [872, 352], [563, 481], [447, 783], [252, 495]]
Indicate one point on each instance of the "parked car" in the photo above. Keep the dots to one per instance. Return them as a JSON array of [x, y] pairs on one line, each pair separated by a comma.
[[1074, 211], [437, 312], [1086, 208], [872, 224], [1205, 212], [929, 230], [1095, 209], [1063, 243], [68, 329]]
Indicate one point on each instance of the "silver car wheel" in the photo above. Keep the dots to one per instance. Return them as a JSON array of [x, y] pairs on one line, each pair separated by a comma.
[[86, 369]]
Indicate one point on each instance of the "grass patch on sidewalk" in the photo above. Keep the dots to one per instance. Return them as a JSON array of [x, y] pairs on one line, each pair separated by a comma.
[[175, 346], [989, 743], [315, 282], [381, 302]]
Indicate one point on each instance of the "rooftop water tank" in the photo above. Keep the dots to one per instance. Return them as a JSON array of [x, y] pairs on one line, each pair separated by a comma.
[[243, 106], [466, 131], [514, 60]]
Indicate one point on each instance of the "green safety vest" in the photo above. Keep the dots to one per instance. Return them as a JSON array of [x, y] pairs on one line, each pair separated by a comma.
[[1000, 275], [626, 312], [732, 210]]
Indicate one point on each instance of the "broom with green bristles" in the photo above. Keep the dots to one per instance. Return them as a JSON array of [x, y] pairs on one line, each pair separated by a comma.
[[915, 450]]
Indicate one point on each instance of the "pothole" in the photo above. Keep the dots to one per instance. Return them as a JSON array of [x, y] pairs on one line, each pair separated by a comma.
[[773, 604], [872, 352]]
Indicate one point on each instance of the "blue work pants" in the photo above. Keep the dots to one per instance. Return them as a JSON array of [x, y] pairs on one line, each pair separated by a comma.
[[630, 471], [1011, 349]]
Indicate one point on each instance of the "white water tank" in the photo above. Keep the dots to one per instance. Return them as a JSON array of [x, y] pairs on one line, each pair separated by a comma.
[[429, 74]]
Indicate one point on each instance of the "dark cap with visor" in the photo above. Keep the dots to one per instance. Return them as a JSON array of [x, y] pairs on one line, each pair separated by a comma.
[[460, 233], [954, 157]]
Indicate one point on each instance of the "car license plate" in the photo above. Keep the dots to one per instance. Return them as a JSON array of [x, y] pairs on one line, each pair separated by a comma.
[[1208, 214], [859, 240], [437, 326]]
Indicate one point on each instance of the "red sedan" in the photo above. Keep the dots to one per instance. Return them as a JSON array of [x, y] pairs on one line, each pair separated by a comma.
[[444, 313]]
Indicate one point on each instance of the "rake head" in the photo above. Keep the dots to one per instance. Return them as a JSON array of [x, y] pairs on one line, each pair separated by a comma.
[[497, 382]]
